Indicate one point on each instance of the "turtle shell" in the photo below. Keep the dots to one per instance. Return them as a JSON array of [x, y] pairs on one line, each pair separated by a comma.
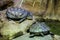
[[39, 28], [16, 13]]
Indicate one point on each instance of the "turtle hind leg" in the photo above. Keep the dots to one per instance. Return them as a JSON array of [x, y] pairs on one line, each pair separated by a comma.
[[52, 34]]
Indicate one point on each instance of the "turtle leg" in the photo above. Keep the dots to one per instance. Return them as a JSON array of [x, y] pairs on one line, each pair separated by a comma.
[[51, 34], [31, 35], [22, 20], [42, 34]]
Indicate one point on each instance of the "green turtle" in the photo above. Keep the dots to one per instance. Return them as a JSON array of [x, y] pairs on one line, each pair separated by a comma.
[[39, 28]]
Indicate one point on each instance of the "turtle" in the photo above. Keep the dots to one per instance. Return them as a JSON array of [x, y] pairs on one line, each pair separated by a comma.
[[39, 29], [15, 13]]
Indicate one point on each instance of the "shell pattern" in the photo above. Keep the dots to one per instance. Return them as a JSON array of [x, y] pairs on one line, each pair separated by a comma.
[[39, 27]]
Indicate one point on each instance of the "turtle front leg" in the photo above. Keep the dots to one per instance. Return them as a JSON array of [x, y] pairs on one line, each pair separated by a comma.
[[32, 35], [22, 20], [42, 34]]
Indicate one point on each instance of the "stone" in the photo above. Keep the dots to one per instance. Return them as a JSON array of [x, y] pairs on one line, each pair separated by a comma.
[[12, 29], [26, 37], [56, 37]]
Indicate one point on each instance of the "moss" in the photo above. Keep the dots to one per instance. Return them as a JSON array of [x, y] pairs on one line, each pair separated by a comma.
[[55, 26]]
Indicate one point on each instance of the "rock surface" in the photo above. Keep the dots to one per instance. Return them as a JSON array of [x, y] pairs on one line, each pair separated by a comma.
[[56, 37], [10, 29], [27, 37]]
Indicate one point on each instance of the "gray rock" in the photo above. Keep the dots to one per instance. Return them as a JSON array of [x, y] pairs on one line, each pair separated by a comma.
[[26, 37]]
